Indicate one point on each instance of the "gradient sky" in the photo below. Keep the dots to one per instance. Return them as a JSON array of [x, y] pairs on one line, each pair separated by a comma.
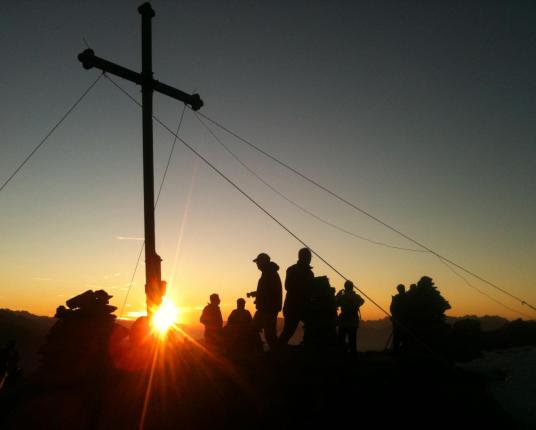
[[423, 113]]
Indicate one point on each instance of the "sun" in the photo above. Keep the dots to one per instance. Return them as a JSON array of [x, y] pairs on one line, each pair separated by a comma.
[[165, 316]]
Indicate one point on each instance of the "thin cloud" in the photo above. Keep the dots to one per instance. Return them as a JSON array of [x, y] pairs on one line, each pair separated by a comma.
[[133, 315], [139, 239]]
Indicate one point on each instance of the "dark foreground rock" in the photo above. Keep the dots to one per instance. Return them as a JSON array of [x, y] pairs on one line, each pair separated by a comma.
[[177, 384]]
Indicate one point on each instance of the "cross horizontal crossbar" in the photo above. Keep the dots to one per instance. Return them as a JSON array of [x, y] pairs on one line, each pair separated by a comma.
[[90, 60]]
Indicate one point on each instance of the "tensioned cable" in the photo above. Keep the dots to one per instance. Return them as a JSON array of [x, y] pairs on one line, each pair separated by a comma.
[[246, 195], [345, 231], [155, 204], [292, 202], [493, 299], [170, 155], [364, 212], [76, 103]]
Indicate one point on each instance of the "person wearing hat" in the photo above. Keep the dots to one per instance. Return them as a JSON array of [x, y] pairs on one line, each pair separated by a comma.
[[268, 298], [299, 285]]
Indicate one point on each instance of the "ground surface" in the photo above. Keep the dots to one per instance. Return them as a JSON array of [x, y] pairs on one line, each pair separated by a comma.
[[290, 389]]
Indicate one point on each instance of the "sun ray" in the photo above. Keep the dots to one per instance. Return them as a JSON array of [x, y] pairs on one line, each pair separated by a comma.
[[184, 221]]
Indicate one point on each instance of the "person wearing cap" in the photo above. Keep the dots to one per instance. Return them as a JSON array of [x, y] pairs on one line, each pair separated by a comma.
[[349, 302], [299, 285], [268, 298]]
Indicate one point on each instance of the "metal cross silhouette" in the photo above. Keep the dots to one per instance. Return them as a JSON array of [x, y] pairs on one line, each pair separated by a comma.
[[155, 288]]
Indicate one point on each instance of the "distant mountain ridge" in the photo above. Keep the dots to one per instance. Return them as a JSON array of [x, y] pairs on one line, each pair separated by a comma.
[[29, 331]]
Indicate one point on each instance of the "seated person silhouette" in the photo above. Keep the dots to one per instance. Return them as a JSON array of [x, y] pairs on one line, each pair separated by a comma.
[[240, 333]]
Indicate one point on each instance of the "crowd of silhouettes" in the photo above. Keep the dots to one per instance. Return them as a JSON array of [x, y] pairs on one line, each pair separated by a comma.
[[310, 300], [418, 316], [86, 326], [330, 319]]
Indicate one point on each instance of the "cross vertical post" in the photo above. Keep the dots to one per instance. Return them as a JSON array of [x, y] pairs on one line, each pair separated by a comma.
[[155, 288], [153, 281]]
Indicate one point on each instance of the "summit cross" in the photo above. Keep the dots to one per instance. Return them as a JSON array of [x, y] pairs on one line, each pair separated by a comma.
[[155, 288]]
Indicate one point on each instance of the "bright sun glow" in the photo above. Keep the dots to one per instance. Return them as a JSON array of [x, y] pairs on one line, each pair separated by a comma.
[[165, 317]]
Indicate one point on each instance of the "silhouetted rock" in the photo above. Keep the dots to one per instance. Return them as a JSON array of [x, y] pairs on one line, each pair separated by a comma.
[[77, 345]]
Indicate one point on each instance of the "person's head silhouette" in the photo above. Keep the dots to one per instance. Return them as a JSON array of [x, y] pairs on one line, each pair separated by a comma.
[[262, 260], [304, 256], [214, 299]]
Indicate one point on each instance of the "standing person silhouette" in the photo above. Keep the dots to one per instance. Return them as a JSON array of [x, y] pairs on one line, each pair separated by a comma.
[[399, 313], [349, 302], [212, 319], [268, 299], [299, 285]]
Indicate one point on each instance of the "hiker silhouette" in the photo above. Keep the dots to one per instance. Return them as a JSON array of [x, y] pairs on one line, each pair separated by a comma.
[[349, 303], [212, 319], [268, 299], [299, 285], [399, 318]]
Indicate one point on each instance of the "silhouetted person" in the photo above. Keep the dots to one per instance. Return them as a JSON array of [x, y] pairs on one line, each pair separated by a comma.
[[239, 330], [268, 298], [212, 319], [349, 302], [321, 315], [299, 285], [399, 318], [239, 317]]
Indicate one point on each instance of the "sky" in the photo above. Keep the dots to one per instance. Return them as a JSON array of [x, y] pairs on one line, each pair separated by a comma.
[[421, 113]]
